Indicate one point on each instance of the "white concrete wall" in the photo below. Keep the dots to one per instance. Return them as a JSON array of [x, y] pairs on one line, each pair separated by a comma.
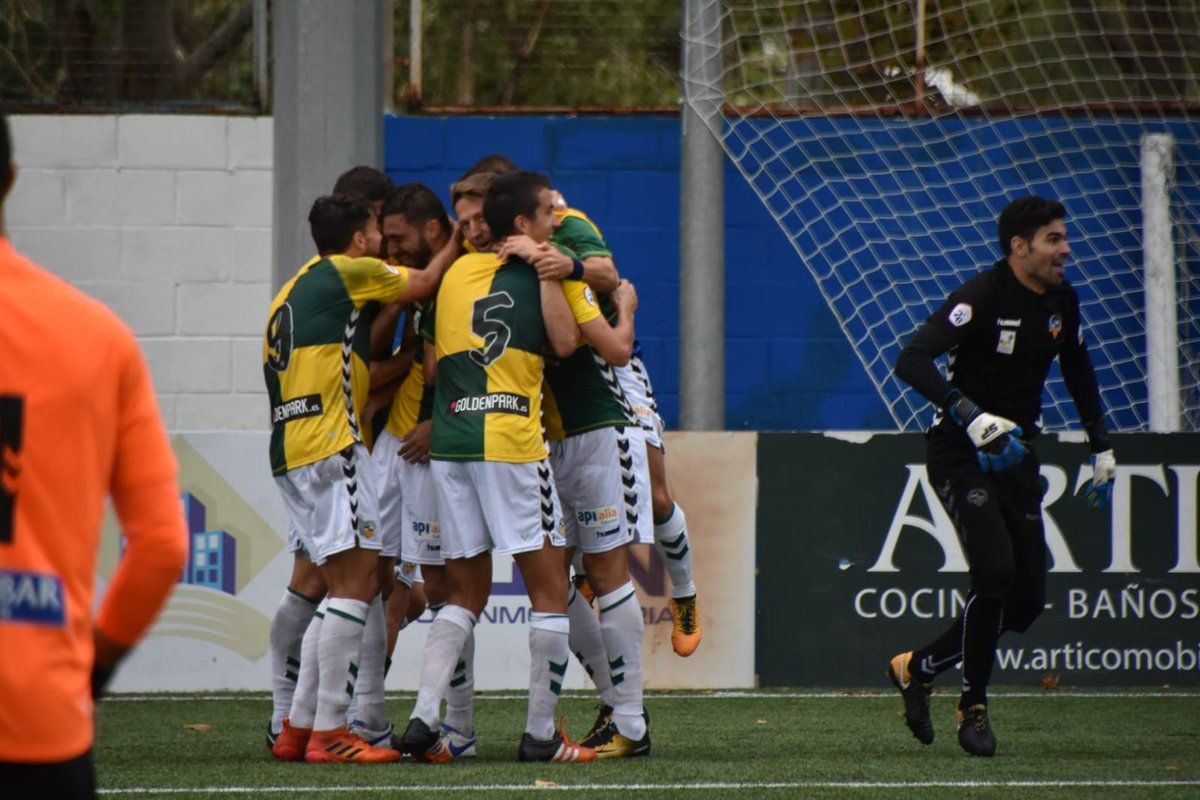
[[167, 219]]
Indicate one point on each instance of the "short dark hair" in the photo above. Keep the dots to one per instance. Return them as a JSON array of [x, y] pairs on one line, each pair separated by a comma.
[[5, 154], [418, 203], [368, 182], [334, 219], [512, 195], [492, 162], [1024, 216]]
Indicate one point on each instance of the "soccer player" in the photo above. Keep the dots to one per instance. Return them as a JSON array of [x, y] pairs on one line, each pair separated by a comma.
[[416, 226], [494, 482], [77, 424], [1002, 329], [669, 533], [316, 373], [588, 423], [306, 587]]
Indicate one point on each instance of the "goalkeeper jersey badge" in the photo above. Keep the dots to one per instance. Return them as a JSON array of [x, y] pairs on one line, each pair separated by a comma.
[[1007, 343]]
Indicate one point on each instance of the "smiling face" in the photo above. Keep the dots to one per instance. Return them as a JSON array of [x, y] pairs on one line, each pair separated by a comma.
[[469, 210], [404, 242], [1040, 263], [540, 227]]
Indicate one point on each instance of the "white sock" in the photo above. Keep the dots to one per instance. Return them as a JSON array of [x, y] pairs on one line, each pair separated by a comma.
[[587, 644], [304, 701], [447, 634], [368, 705], [621, 626], [548, 658], [671, 539], [291, 620], [460, 694], [338, 655]]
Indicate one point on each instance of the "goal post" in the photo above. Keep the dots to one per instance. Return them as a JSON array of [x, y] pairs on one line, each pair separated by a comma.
[[885, 145]]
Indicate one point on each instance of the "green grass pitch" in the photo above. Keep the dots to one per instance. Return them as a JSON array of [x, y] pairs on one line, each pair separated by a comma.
[[768, 744]]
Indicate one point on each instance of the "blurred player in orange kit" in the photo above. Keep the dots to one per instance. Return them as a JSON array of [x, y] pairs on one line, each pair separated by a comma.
[[78, 422]]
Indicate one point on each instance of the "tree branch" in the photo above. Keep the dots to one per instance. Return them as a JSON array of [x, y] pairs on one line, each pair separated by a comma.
[[223, 40]]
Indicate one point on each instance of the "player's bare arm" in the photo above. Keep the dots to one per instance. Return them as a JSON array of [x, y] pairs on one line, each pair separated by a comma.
[[614, 343], [561, 330]]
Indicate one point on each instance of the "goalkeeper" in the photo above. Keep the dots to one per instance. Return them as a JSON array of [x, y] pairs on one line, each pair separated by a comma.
[[1001, 329]]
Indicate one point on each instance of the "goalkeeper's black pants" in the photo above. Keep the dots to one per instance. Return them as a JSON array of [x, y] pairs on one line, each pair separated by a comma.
[[63, 780], [998, 517]]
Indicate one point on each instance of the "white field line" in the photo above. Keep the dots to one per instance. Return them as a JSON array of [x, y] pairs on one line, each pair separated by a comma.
[[637, 787], [680, 695]]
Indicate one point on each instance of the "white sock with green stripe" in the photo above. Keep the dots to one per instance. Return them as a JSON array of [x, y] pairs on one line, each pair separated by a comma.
[[304, 701], [671, 539], [337, 655], [460, 694], [622, 628], [290, 622], [548, 658], [368, 691], [587, 644], [447, 635]]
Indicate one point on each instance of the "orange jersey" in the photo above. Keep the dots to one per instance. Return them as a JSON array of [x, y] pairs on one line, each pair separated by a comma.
[[78, 422]]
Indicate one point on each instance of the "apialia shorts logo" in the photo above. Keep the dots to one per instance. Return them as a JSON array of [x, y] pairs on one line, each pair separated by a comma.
[[977, 497], [597, 517]]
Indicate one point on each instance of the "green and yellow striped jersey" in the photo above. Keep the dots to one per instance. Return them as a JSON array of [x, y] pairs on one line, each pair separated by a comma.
[[316, 353], [408, 407], [582, 391], [579, 234]]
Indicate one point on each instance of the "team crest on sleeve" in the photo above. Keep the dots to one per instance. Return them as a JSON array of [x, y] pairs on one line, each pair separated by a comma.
[[961, 314], [589, 297]]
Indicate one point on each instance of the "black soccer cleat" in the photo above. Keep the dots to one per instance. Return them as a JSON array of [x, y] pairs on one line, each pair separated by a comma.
[[557, 748], [418, 739], [975, 732], [916, 698], [602, 719]]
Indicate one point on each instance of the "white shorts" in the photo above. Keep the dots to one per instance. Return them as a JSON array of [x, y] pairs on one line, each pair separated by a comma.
[[421, 541], [635, 383], [597, 487], [496, 506], [641, 473], [332, 504], [406, 572], [387, 463]]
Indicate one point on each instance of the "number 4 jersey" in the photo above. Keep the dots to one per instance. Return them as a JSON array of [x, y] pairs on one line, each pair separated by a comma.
[[489, 336], [316, 355]]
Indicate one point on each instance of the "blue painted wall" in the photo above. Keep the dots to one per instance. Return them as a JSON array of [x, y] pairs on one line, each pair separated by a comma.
[[789, 365]]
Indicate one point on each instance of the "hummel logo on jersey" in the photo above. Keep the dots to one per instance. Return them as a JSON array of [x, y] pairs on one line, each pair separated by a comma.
[[491, 403], [308, 406]]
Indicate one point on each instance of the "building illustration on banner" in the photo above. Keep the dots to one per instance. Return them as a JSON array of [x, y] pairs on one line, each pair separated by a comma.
[[229, 544]]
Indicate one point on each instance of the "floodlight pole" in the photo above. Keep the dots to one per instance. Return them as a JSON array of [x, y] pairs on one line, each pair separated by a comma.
[[701, 222], [328, 107]]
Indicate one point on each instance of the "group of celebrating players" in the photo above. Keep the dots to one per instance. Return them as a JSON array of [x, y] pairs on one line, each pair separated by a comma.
[[441, 391]]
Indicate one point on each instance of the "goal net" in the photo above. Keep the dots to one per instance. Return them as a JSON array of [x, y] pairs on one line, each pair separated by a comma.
[[885, 147]]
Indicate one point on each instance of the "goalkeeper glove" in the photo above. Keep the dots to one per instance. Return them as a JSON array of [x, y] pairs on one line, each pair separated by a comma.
[[997, 440], [1098, 490]]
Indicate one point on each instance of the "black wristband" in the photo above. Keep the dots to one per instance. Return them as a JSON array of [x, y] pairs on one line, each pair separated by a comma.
[[100, 677], [576, 269]]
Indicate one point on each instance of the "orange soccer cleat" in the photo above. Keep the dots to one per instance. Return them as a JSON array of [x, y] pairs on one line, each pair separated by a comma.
[[341, 746], [686, 633], [290, 743]]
